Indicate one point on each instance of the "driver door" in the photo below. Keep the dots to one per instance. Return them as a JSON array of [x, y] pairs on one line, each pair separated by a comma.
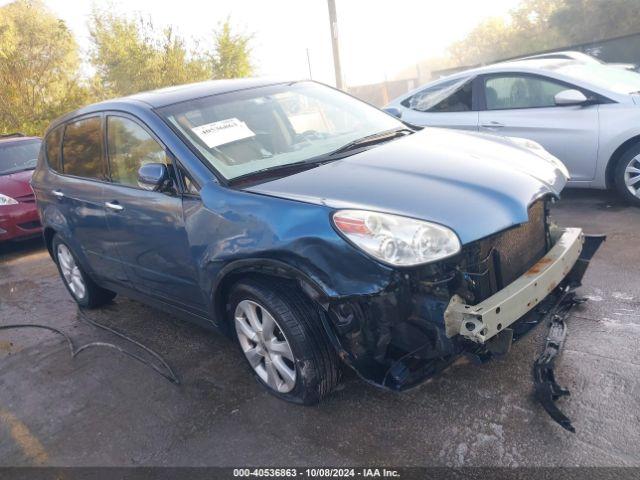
[[147, 227]]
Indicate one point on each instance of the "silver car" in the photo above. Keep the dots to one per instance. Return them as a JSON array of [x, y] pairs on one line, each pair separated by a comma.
[[587, 115]]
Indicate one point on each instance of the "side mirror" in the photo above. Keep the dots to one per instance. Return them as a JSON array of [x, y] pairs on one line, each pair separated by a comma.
[[570, 97], [153, 177], [393, 111]]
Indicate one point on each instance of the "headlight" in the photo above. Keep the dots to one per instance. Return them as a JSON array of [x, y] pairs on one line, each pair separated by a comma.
[[539, 150], [396, 240], [6, 200]]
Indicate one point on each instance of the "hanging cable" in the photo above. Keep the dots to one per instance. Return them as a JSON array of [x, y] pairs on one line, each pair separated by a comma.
[[166, 371]]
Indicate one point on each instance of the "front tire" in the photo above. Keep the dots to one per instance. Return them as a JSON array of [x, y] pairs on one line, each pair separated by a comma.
[[627, 175], [283, 341], [78, 283]]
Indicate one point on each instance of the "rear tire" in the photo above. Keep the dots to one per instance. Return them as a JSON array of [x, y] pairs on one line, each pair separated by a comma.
[[312, 371], [627, 175], [78, 283]]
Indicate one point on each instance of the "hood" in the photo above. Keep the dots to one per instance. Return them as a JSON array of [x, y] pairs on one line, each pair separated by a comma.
[[473, 183], [16, 184]]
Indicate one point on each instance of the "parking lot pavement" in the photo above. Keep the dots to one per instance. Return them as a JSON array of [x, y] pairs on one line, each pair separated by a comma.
[[103, 408]]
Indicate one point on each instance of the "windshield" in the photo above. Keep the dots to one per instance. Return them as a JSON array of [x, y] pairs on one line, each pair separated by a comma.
[[244, 132], [18, 156], [614, 79]]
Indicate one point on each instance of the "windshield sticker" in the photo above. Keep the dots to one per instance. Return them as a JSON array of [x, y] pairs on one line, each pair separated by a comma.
[[222, 132]]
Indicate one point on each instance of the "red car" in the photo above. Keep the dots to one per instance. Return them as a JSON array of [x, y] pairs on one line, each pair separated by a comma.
[[18, 213]]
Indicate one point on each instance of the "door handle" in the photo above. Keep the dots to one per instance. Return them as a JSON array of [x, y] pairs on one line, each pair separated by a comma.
[[493, 125], [57, 193], [114, 206]]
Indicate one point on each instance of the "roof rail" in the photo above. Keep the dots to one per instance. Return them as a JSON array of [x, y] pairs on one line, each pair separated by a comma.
[[14, 134]]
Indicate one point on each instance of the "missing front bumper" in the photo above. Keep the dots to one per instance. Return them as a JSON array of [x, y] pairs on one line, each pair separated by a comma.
[[485, 320]]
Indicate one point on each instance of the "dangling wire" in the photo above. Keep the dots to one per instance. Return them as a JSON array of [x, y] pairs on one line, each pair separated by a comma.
[[166, 371]]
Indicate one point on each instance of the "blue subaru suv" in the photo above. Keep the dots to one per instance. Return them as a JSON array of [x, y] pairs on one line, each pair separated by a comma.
[[313, 228]]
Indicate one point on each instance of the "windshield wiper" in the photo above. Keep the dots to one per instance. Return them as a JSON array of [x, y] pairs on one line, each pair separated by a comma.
[[289, 168], [371, 140], [296, 167]]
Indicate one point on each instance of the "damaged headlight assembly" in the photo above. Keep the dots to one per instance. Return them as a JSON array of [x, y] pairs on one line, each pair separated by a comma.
[[396, 240]]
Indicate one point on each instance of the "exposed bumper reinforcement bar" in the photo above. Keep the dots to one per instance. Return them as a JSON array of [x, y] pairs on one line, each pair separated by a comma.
[[483, 321]]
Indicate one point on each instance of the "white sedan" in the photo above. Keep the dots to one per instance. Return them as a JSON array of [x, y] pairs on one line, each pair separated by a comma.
[[587, 115]]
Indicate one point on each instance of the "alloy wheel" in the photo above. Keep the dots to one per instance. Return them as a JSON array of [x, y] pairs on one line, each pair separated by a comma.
[[71, 272], [632, 176], [265, 346]]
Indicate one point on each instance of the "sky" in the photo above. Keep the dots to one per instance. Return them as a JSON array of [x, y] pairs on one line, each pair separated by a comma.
[[377, 38]]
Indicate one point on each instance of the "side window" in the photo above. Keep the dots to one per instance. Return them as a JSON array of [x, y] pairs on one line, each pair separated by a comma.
[[520, 91], [82, 154], [54, 159], [459, 101], [450, 96], [130, 147]]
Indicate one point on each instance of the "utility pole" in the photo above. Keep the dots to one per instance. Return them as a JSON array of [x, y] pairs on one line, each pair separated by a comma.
[[309, 64], [333, 23]]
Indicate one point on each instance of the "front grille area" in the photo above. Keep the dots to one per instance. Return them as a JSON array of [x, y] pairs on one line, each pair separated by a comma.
[[519, 248], [505, 256]]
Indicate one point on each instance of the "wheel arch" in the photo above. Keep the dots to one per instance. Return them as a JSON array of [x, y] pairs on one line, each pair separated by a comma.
[[48, 234], [617, 154], [314, 290]]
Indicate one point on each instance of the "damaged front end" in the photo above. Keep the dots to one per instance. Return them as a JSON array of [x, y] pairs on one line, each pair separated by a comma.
[[476, 303]]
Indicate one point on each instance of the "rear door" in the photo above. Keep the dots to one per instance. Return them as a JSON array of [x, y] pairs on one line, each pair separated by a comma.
[[78, 195], [146, 227], [450, 104], [522, 105]]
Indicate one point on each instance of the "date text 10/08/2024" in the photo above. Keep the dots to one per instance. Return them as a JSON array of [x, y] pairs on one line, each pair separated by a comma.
[[317, 472]]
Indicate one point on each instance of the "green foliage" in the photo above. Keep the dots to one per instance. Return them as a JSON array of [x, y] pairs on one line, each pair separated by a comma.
[[231, 57], [38, 68], [587, 20], [536, 25], [130, 58], [40, 65]]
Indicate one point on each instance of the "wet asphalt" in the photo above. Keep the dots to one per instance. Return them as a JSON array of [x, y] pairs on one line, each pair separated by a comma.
[[105, 409]]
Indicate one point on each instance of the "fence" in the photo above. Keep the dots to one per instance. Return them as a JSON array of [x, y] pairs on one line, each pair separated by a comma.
[[379, 94]]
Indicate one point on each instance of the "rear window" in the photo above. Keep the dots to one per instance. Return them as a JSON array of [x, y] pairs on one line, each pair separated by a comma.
[[82, 154], [54, 157], [18, 156]]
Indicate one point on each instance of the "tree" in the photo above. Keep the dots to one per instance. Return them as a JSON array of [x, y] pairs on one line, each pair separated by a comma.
[[129, 57], [584, 21], [537, 25], [231, 57], [39, 67]]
